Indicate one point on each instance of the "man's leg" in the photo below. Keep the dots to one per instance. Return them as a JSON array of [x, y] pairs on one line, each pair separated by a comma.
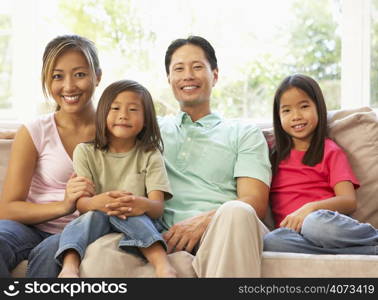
[[16, 242], [232, 244]]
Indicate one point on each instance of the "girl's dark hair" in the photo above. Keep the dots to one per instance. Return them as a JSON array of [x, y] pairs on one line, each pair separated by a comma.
[[283, 141], [149, 137]]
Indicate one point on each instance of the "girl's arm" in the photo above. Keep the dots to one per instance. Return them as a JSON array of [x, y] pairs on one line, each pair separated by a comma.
[[129, 205], [97, 202], [344, 202], [13, 204]]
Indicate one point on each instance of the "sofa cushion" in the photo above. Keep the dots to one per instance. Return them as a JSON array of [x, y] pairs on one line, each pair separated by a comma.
[[280, 264], [274, 264], [7, 134], [5, 146], [110, 261], [356, 131]]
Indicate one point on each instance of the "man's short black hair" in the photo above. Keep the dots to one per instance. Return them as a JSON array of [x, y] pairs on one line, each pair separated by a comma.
[[194, 40]]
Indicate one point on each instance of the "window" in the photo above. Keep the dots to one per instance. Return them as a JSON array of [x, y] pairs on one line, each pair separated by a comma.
[[374, 55], [256, 46], [5, 55]]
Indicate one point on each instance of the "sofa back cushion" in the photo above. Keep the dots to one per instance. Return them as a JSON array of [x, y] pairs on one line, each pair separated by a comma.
[[356, 131], [5, 146]]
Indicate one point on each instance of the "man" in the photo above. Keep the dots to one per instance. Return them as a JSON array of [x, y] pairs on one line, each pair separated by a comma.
[[219, 171]]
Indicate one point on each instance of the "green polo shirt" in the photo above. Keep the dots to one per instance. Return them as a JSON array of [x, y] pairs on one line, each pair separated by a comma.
[[204, 159]]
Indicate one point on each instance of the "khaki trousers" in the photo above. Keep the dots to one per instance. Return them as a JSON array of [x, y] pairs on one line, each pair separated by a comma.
[[232, 244], [230, 247]]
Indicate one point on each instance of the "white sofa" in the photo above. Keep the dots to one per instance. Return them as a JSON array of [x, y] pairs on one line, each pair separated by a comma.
[[354, 130]]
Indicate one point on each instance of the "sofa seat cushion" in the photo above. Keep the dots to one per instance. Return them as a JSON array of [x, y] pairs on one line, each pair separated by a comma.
[[274, 264], [280, 264], [103, 258]]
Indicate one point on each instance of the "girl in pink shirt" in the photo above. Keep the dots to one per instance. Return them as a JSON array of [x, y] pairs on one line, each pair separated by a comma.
[[313, 185]]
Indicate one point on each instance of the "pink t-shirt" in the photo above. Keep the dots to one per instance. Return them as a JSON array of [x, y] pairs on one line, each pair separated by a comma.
[[296, 184], [53, 169]]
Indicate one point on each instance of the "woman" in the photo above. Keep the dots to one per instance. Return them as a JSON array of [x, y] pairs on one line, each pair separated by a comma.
[[40, 190]]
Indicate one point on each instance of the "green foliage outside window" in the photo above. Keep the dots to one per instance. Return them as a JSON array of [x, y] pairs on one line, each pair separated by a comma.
[[313, 48]]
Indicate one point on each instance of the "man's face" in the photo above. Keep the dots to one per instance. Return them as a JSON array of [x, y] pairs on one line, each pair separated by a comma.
[[190, 76]]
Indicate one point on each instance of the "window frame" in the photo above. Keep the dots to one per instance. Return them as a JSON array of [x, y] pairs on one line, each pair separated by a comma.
[[355, 53]]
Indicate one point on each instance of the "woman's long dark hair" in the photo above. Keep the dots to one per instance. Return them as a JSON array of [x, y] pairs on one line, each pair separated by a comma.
[[150, 138], [283, 141]]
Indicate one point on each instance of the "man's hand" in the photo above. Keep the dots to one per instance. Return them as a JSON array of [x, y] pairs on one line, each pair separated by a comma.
[[186, 234]]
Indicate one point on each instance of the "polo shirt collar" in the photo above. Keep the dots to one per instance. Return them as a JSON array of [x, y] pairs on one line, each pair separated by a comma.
[[209, 120]]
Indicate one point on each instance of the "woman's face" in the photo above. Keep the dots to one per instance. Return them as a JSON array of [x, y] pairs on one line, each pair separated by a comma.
[[73, 82]]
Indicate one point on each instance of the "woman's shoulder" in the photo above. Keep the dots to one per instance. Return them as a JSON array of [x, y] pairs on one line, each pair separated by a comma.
[[41, 128], [41, 121], [43, 125]]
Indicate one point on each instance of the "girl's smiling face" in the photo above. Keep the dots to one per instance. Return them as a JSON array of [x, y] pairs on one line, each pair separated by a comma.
[[125, 119], [299, 117]]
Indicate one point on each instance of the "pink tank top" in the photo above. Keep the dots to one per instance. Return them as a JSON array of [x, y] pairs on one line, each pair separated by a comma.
[[53, 169]]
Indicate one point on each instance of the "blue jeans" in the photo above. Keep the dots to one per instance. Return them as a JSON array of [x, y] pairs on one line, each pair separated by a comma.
[[139, 231], [19, 242], [325, 232]]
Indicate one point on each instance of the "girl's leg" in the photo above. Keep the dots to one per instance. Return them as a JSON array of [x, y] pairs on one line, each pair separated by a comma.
[[288, 240], [329, 229], [75, 238], [16, 242], [317, 239], [142, 235], [71, 265], [157, 256]]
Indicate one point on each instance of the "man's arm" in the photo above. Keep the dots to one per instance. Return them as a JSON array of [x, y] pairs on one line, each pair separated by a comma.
[[255, 193], [186, 234]]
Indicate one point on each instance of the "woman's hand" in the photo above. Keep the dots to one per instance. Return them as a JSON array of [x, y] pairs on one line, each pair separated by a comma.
[[77, 187], [295, 219]]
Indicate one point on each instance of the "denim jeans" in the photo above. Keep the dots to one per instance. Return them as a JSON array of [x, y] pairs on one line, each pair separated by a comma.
[[139, 231], [325, 232], [42, 259], [19, 242]]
